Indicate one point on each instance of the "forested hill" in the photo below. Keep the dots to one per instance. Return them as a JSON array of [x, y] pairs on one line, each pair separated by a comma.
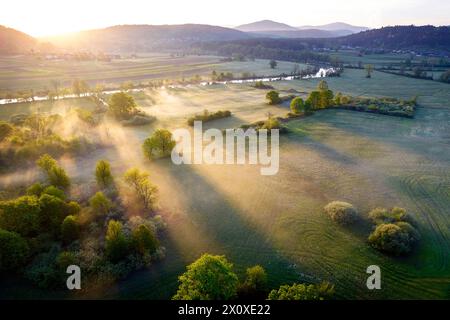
[[128, 38], [400, 38]]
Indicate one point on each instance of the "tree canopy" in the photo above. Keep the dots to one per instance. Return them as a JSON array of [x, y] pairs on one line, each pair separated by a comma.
[[208, 278]]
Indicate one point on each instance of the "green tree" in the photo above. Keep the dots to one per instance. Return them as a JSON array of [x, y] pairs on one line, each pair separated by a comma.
[[70, 229], [46, 163], [255, 284], [100, 204], [56, 175], [273, 64], [159, 145], [5, 130], [144, 240], [322, 85], [52, 213], [394, 238], [297, 105], [20, 215], [303, 292], [13, 250], [144, 189], [116, 245], [208, 278], [314, 100], [273, 97], [103, 174], [54, 191], [122, 106], [59, 178]]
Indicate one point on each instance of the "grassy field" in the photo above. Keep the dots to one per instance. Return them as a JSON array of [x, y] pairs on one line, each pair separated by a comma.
[[26, 72], [277, 221]]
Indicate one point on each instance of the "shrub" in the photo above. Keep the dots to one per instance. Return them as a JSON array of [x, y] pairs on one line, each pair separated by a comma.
[[208, 278], [5, 130], [207, 116], [65, 259], [273, 97], [13, 250], [341, 212], [396, 239], [381, 215], [303, 292], [70, 229]]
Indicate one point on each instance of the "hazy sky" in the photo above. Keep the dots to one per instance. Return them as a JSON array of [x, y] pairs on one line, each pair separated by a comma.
[[47, 17]]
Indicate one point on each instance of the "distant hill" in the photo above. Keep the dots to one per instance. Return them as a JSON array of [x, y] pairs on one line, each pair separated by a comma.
[[265, 25], [306, 33], [400, 38], [128, 38], [13, 41], [338, 28]]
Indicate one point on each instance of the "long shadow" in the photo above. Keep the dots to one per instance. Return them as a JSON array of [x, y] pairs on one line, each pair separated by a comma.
[[225, 226]]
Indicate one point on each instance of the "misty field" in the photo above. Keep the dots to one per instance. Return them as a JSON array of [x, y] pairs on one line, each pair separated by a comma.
[[278, 221]]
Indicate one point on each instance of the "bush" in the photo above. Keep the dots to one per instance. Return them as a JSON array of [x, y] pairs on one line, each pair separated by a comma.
[[208, 278], [341, 212], [207, 116], [273, 97], [44, 271], [396, 239], [381, 215], [13, 250], [70, 229], [303, 292], [65, 259]]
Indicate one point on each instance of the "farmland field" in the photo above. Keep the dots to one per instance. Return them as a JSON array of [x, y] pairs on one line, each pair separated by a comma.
[[27, 72], [278, 221]]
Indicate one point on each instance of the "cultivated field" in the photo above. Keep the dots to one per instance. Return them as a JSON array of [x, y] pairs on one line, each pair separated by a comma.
[[277, 221]]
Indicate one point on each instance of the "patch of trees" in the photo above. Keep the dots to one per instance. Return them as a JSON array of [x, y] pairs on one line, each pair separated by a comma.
[[222, 76], [212, 278], [123, 108], [393, 231], [45, 230], [322, 291], [261, 85], [27, 137], [270, 49], [209, 116]]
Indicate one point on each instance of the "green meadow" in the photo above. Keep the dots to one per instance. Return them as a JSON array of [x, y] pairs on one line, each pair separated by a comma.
[[277, 221]]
